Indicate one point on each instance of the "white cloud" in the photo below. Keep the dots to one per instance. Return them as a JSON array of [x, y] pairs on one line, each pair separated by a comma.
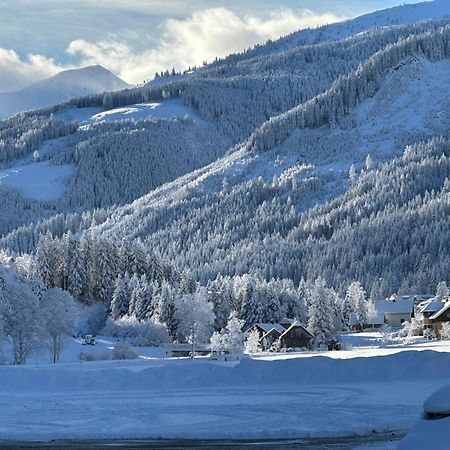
[[178, 43], [16, 73], [202, 36]]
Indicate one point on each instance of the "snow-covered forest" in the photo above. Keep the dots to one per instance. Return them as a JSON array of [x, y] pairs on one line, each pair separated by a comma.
[[306, 179]]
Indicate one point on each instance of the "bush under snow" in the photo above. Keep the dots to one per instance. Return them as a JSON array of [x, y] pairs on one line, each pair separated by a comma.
[[143, 333]]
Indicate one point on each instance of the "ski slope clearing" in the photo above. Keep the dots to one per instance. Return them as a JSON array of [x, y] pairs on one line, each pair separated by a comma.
[[40, 181], [168, 109], [314, 397]]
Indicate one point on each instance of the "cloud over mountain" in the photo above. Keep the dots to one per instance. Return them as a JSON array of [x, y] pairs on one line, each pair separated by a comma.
[[178, 43], [202, 36]]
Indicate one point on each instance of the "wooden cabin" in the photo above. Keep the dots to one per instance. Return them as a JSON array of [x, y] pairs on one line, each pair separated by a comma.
[[296, 336]]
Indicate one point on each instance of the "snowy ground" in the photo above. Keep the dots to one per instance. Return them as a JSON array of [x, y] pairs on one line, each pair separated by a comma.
[[41, 181], [367, 344], [164, 110], [287, 396]]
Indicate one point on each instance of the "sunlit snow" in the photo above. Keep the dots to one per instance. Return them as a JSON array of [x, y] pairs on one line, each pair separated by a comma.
[[41, 181], [168, 109]]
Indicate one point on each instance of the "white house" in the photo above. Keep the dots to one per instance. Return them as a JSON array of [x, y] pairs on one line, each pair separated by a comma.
[[394, 312]]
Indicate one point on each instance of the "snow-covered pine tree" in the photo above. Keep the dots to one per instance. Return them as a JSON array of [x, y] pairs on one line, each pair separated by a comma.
[[321, 311], [442, 290], [121, 297], [360, 305]]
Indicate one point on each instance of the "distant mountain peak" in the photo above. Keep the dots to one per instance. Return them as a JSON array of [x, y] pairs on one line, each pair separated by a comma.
[[60, 88]]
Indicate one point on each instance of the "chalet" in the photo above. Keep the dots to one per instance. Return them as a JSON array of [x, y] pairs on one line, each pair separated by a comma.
[[296, 336], [426, 309], [394, 312], [289, 332], [436, 320]]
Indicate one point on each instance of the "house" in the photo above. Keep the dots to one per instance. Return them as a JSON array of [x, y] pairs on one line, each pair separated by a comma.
[[394, 312], [426, 309], [289, 332], [436, 320], [268, 333], [296, 336]]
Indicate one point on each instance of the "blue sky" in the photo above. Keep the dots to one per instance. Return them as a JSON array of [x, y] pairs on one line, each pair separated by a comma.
[[136, 37]]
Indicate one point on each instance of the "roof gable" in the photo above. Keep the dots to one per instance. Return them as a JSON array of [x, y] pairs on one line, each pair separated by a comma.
[[445, 307], [296, 324]]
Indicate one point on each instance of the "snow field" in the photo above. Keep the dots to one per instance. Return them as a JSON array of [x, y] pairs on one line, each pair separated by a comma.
[[41, 181], [302, 397], [168, 109]]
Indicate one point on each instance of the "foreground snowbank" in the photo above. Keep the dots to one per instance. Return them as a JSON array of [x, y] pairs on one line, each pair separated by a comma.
[[308, 397]]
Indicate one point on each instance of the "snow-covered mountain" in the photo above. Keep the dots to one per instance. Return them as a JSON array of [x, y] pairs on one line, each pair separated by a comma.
[[277, 158], [397, 15], [60, 88]]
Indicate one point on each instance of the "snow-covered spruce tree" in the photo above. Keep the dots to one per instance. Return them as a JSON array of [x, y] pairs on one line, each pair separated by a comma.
[[360, 305], [46, 261], [165, 305], [220, 292], [76, 271], [107, 266], [249, 300], [195, 316], [442, 290], [142, 300], [321, 312], [121, 297], [59, 314]]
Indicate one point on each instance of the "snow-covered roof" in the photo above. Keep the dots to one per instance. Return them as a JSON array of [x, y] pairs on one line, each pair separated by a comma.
[[413, 297], [268, 327], [432, 305], [445, 307], [403, 306], [296, 324]]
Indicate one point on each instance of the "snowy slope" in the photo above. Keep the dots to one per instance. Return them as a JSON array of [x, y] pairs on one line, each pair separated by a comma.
[[400, 113], [167, 109], [59, 88], [40, 180], [398, 15]]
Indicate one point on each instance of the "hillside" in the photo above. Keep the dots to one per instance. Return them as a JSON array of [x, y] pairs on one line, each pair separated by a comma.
[[264, 143], [250, 212], [60, 88]]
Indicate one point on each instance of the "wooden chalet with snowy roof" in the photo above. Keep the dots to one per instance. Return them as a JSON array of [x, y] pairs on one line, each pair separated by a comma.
[[435, 320], [289, 332], [296, 336]]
